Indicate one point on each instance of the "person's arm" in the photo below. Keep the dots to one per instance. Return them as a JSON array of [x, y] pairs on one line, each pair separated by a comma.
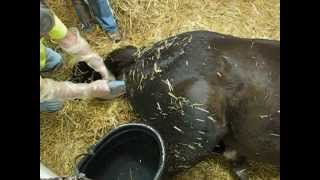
[[64, 90], [73, 43]]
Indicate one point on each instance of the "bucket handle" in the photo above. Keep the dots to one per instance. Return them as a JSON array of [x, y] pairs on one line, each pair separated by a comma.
[[80, 155], [76, 162], [90, 151]]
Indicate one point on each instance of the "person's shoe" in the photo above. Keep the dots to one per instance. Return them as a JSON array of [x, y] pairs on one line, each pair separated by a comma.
[[83, 12], [115, 36]]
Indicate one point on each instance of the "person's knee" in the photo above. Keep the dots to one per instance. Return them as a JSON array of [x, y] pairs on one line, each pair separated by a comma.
[[53, 59]]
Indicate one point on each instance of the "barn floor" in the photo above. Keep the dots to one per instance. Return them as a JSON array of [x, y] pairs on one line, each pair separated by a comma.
[[79, 124]]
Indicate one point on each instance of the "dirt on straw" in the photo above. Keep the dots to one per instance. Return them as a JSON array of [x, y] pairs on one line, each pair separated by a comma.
[[69, 132]]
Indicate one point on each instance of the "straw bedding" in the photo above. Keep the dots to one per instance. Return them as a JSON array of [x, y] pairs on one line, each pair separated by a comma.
[[67, 133]]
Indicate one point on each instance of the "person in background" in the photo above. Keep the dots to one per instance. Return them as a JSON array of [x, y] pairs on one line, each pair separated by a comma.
[[54, 93], [101, 11], [104, 15]]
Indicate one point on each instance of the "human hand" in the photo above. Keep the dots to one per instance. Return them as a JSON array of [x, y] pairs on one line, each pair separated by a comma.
[[103, 89], [96, 63]]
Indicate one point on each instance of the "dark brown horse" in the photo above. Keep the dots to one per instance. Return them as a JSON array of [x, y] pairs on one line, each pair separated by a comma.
[[201, 90]]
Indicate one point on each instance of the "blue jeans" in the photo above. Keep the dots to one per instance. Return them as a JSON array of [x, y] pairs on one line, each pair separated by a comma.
[[54, 59], [103, 14]]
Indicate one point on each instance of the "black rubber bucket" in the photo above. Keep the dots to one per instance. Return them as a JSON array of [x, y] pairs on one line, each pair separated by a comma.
[[131, 151]]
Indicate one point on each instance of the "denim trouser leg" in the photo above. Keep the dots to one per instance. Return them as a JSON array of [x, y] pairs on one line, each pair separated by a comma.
[[53, 59], [103, 14]]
